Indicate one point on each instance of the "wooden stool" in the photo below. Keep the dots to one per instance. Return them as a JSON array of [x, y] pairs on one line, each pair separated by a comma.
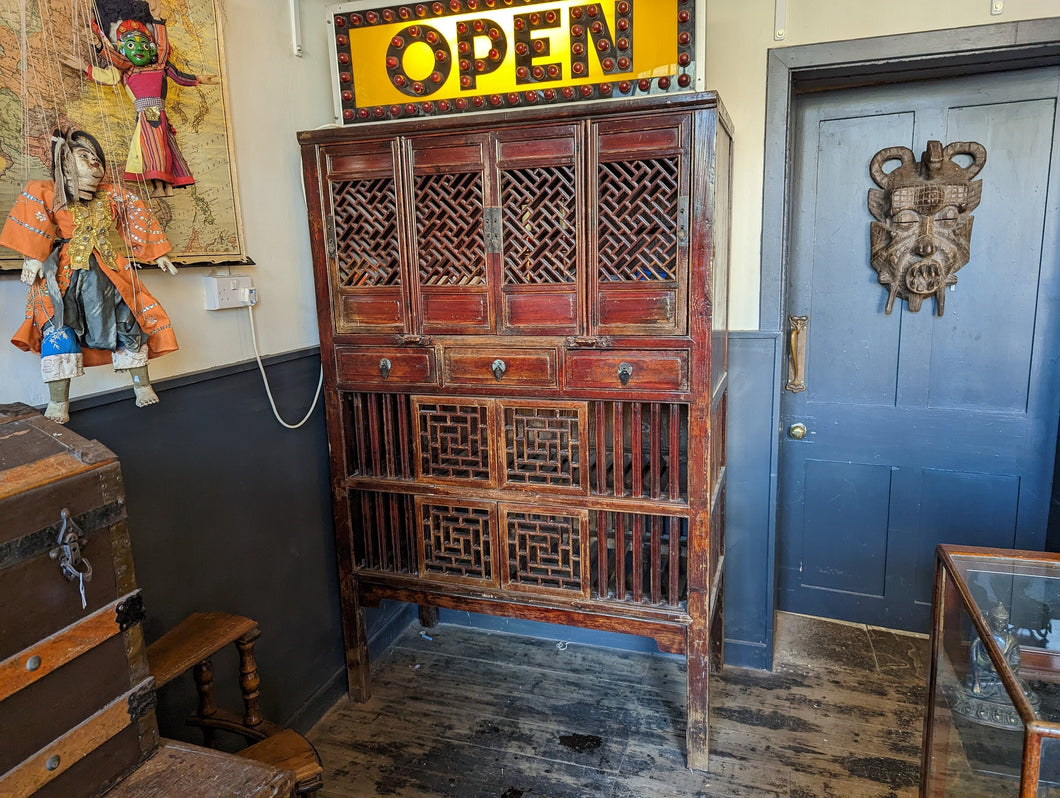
[[191, 645]]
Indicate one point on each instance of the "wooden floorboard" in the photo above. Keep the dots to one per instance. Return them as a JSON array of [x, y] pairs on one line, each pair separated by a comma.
[[468, 713]]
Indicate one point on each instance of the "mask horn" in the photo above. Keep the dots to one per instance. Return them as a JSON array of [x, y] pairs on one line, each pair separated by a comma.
[[882, 179], [973, 148]]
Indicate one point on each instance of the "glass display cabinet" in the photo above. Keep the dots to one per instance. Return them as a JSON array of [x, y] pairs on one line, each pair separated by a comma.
[[992, 725]]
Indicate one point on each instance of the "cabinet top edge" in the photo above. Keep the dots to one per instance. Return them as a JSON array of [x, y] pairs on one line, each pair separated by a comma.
[[493, 119]]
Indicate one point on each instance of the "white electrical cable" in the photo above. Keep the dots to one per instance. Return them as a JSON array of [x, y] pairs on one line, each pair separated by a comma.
[[264, 379]]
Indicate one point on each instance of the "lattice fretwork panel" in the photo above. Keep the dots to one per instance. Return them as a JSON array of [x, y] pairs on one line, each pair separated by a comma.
[[381, 433], [543, 446], [449, 229], [456, 541], [647, 441], [638, 220], [637, 558], [453, 440], [540, 240], [544, 550], [383, 531], [366, 233]]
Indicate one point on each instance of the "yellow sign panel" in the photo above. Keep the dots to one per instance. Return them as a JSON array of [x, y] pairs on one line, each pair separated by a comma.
[[428, 58]]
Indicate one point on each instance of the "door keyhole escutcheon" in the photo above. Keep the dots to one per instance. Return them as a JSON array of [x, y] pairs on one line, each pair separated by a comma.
[[797, 431]]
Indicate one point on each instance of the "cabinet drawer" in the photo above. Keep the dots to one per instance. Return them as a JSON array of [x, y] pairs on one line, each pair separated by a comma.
[[475, 366], [382, 366], [648, 371]]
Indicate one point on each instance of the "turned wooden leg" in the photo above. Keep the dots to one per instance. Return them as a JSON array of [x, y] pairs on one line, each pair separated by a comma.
[[203, 673], [249, 681]]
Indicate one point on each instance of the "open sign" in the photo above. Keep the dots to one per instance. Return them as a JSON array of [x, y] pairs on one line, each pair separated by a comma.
[[464, 55]]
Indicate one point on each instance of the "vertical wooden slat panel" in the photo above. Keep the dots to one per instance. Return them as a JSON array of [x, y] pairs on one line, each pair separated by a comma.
[[673, 535], [387, 443], [357, 400], [636, 452], [600, 410], [637, 545], [602, 566], [374, 443], [620, 556], [619, 455], [404, 443], [674, 457], [655, 455], [656, 559]]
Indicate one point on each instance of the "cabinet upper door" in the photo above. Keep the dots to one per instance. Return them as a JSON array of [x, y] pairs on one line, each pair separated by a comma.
[[541, 193], [450, 194], [364, 239], [639, 225]]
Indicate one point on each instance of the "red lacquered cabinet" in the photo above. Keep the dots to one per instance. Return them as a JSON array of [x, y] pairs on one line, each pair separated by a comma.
[[523, 329]]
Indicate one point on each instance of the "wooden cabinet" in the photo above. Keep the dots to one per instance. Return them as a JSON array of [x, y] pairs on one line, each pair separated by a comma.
[[523, 330]]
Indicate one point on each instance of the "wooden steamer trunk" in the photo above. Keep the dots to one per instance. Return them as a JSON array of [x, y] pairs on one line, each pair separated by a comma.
[[523, 332], [76, 698]]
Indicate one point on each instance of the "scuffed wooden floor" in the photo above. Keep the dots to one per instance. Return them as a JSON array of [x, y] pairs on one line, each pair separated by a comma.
[[475, 714]]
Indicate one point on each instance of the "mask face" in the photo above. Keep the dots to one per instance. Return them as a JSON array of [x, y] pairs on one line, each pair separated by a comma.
[[88, 169], [923, 232], [138, 48]]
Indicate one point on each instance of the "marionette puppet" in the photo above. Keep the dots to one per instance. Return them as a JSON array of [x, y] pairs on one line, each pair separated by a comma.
[[134, 41], [86, 305]]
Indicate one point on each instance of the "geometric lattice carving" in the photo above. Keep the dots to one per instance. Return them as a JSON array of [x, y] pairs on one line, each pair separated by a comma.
[[366, 233], [640, 559], [454, 441], [539, 225], [648, 441], [542, 446], [456, 541], [449, 229], [638, 220], [544, 550]]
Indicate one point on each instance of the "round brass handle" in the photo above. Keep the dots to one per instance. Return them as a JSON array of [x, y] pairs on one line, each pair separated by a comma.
[[797, 431]]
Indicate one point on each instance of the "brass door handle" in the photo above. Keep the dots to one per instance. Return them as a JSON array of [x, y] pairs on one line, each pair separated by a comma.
[[625, 371], [797, 354], [384, 367], [498, 368]]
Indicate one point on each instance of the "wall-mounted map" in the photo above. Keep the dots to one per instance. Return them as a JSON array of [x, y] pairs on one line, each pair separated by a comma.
[[201, 220]]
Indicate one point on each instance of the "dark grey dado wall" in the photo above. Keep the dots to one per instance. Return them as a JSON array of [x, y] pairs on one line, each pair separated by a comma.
[[230, 511]]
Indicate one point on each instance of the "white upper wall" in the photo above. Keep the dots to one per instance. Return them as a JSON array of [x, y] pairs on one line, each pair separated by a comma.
[[739, 35], [273, 94]]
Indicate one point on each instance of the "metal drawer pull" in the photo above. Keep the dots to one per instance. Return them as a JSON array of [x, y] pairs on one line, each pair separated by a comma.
[[625, 371], [499, 367], [384, 367]]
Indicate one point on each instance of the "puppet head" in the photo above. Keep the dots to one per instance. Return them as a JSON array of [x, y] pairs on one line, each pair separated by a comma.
[[136, 43], [78, 166], [923, 231]]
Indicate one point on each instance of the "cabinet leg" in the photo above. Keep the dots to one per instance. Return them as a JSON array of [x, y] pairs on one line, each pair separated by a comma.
[[428, 616], [360, 683], [699, 660]]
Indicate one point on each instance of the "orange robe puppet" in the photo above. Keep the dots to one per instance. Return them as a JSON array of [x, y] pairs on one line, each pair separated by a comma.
[[33, 229]]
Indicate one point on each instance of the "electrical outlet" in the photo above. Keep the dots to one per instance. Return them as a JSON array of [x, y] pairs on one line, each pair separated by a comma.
[[229, 291]]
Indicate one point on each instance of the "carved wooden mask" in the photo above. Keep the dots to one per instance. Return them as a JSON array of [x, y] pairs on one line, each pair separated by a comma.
[[923, 210]]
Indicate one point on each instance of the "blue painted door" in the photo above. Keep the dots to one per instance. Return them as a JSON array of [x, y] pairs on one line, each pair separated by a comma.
[[920, 429]]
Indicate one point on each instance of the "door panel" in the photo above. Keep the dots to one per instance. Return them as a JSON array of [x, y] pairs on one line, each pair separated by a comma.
[[921, 429]]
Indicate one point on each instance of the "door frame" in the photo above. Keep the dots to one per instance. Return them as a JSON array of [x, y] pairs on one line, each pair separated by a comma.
[[834, 65]]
